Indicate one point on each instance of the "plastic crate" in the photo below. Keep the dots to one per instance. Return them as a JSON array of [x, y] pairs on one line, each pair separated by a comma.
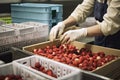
[[21, 20], [11, 68], [37, 12], [32, 15], [31, 11], [57, 9], [9, 40], [63, 71], [15, 41], [59, 15], [55, 21], [39, 26], [19, 28], [6, 32], [25, 39], [27, 36], [34, 35]]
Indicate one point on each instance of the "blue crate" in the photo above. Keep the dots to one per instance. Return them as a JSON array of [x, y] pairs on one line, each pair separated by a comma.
[[30, 11], [31, 15], [59, 15], [38, 12], [57, 20], [57, 10], [57, 7], [30, 7], [20, 20]]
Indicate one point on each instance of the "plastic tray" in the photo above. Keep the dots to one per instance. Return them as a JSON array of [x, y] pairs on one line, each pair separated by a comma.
[[11, 68], [63, 71]]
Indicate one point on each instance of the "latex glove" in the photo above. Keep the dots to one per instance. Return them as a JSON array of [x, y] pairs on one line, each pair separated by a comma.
[[56, 31], [72, 35]]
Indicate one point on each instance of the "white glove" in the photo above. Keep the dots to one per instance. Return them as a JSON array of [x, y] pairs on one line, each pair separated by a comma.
[[72, 35], [56, 31]]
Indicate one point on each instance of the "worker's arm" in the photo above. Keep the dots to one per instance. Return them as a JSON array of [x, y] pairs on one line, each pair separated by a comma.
[[94, 31], [83, 10], [72, 35], [78, 15], [111, 23]]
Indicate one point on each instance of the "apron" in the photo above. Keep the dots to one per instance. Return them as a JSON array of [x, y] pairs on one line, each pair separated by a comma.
[[112, 41]]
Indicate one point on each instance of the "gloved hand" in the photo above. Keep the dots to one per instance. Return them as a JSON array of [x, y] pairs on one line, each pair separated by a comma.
[[72, 35], [56, 31]]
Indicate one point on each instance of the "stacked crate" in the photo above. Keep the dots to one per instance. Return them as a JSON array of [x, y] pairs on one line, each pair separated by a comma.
[[19, 35], [11, 70], [50, 14]]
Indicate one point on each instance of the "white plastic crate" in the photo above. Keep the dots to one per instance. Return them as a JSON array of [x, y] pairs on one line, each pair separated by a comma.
[[63, 71], [34, 35], [11, 68], [21, 44], [9, 40], [6, 31], [24, 37], [19, 28], [39, 26]]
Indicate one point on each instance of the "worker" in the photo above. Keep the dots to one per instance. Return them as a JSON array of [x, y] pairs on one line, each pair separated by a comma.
[[106, 31]]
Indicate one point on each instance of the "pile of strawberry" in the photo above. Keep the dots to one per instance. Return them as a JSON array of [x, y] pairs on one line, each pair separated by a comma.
[[39, 67], [82, 58], [10, 77]]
